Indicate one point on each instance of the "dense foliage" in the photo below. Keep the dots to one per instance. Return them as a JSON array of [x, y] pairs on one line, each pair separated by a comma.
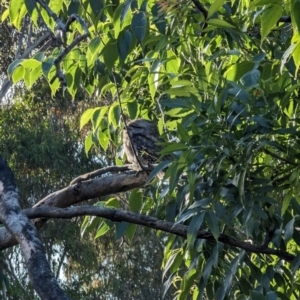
[[221, 80]]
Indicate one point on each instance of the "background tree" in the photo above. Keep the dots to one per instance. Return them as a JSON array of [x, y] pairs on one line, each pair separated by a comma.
[[221, 80]]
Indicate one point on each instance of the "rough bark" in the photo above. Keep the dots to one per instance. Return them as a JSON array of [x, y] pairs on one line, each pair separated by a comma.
[[27, 236]]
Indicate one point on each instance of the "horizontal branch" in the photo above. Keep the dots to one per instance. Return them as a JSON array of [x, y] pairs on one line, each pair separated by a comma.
[[99, 172], [82, 191], [117, 215]]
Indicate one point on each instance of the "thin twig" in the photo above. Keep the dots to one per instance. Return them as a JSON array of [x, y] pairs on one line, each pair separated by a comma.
[[74, 17], [201, 8]]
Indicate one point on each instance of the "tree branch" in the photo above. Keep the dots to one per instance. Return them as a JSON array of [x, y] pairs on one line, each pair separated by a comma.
[[117, 215], [82, 191], [280, 158], [201, 8], [99, 172], [26, 234]]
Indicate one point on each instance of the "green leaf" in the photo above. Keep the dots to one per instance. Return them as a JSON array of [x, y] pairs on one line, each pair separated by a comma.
[[130, 231], [56, 5], [255, 295], [295, 13], [216, 5], [289, 230], [160, 167], [34, 75], [97, 6], [93, 50], [296, 54], [187, 282], [14, 11], [133, 109], [88, 143], [27, 78], [5, 15], [89, 224], [159, 18], [55, 85], [219, 23], [174, 261], [98, 116], [125, 10], [18, 74], [13, 66], [138, 26], [174, 147], [86, 117], [30, 63], [183, 133], [193, 228], [124, 41], [286, 201], [103, 139], [114, 115], [172, 66], [112, 202], [241, 184], [135, 200], [104, 228], [121, 228], [269, 19], [30, 6], [212, 223], [257, 3], [251, 79], [110, 54], [236, 71], [47, 64]]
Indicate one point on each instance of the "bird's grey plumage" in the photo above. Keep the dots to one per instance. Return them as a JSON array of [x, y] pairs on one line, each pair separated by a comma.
[[144, 137]]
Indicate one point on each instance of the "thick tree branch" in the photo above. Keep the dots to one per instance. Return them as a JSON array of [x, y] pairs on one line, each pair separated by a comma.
[[82, 191], [26, 234], [117, 215], [99, 172]]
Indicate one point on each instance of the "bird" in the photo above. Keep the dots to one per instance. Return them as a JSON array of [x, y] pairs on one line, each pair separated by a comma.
[[144, 137]]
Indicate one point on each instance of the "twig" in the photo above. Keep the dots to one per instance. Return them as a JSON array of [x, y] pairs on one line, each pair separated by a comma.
[[201, 8], [59, 74], [280, 158]]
